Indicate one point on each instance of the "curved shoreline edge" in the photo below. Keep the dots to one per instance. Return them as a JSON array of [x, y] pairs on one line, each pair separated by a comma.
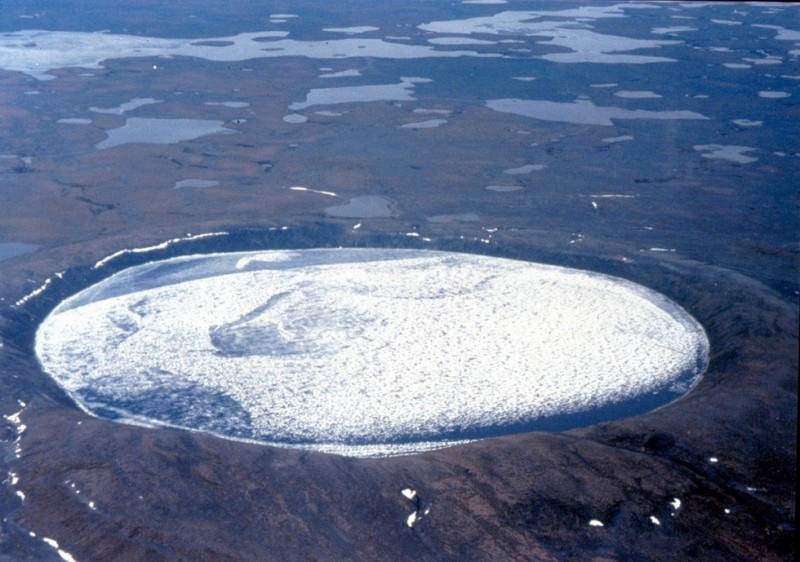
[[241, 400]]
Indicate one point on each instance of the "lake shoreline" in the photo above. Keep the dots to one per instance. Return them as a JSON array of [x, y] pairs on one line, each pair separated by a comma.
[[519, 480]]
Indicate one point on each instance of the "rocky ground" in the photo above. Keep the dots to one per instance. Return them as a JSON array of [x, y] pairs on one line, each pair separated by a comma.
[[708, 477]]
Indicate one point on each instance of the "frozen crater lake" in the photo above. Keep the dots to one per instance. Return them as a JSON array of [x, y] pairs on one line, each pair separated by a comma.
[[368, 352]]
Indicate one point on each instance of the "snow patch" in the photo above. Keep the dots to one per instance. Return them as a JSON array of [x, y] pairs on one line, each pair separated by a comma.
[[775, 95], [320, 191], [350, 73], [747, 122], [526, 169], [621, 138], [161, 246], [35, 292]]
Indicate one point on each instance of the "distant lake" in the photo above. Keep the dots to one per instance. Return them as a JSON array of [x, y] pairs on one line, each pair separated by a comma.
[[612, 130], [648, 146]]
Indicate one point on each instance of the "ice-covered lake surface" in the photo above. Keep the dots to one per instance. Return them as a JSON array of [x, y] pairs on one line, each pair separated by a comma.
[[629, 131], [367, 351]]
